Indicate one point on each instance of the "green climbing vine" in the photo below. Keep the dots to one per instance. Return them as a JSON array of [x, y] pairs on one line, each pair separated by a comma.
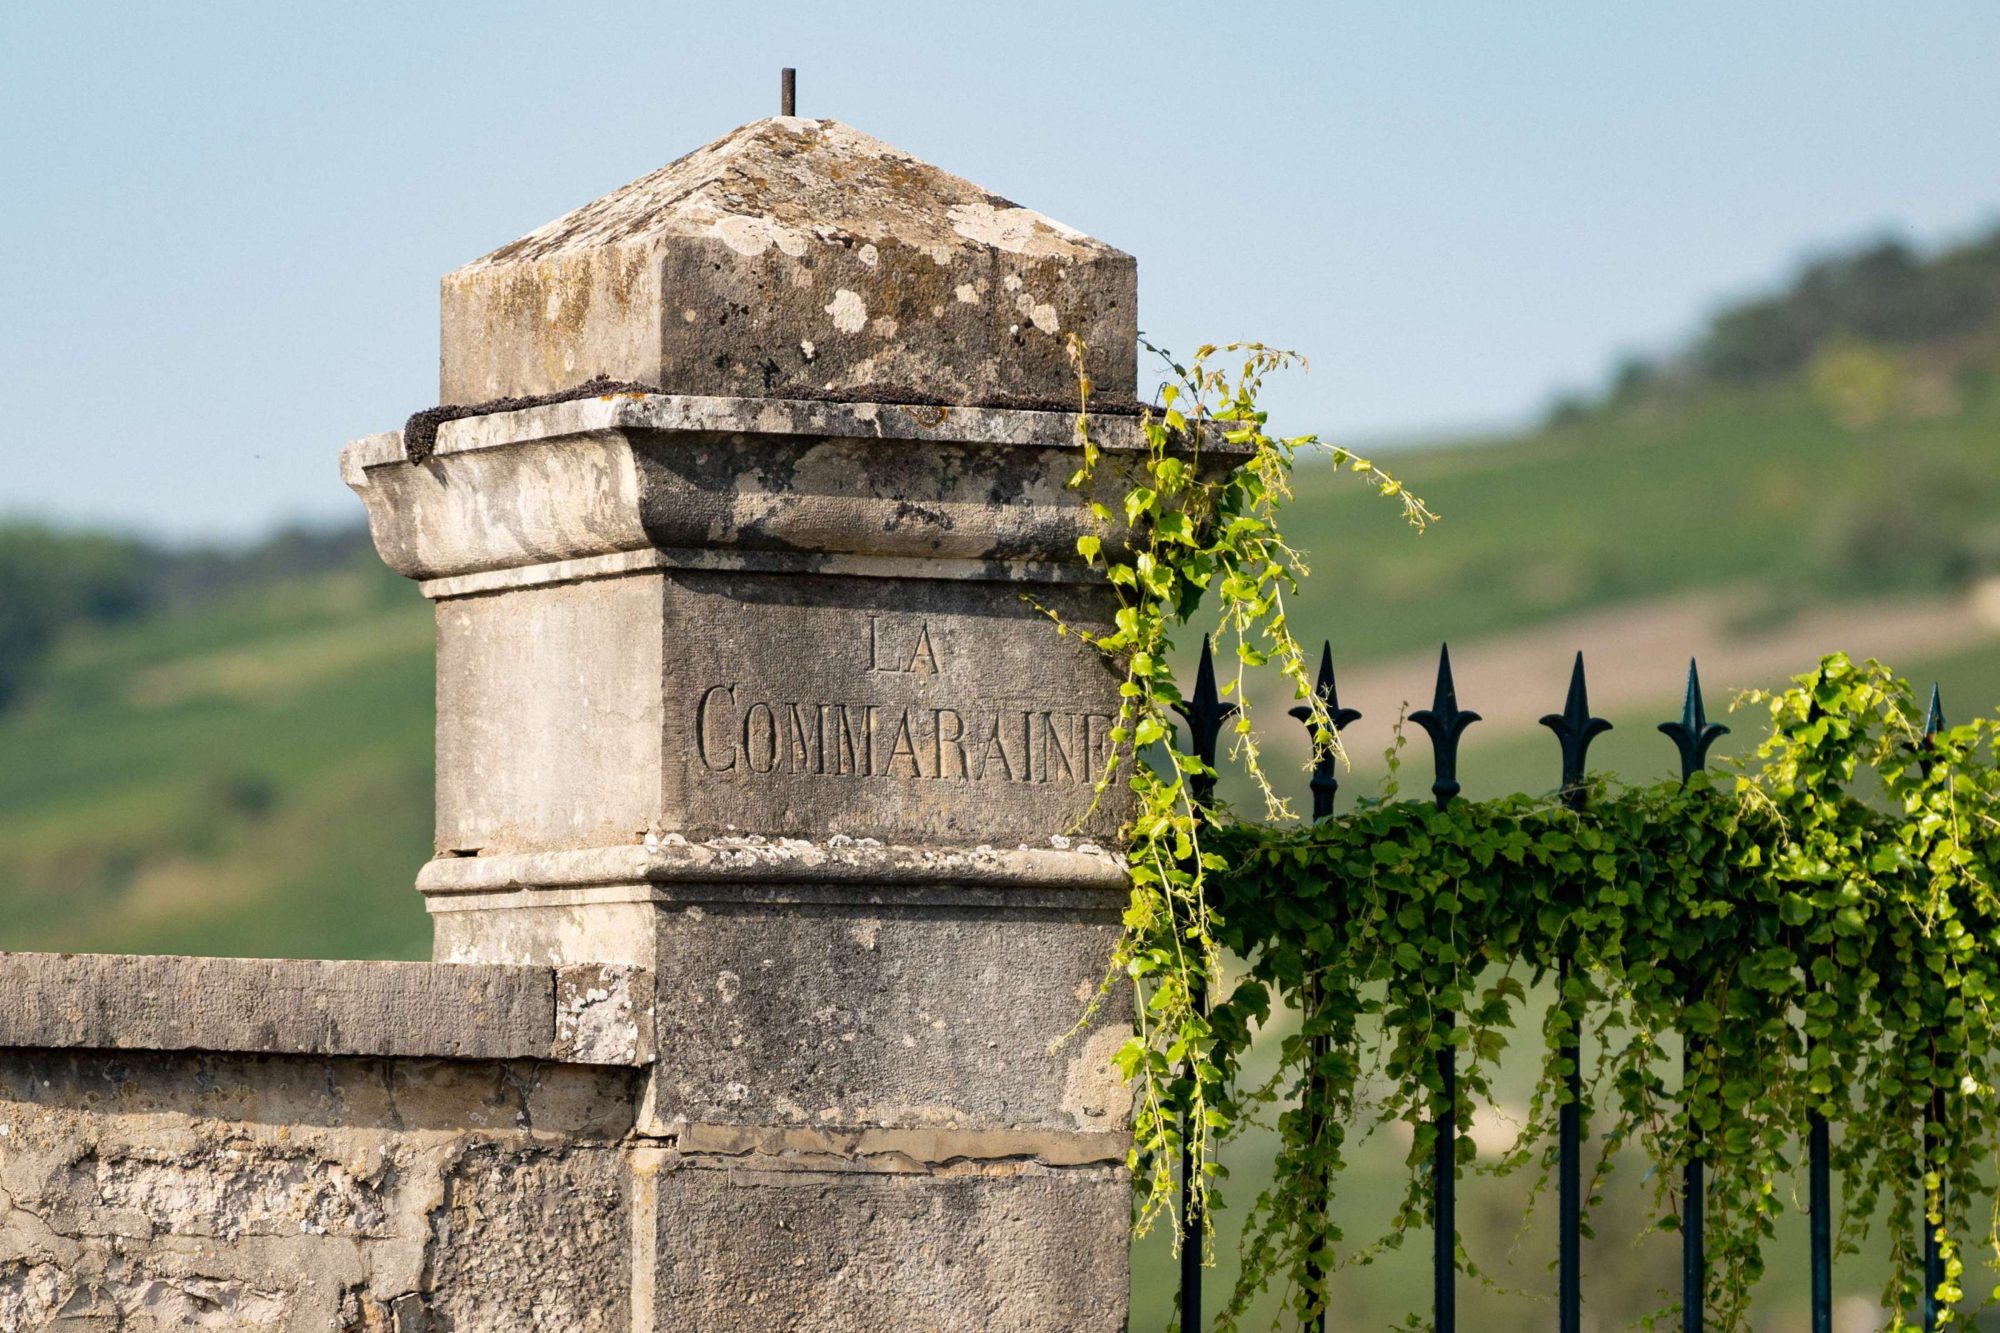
[[1818, 924]]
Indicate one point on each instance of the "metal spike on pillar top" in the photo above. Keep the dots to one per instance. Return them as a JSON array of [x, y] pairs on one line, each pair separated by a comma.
[[1325, 781], [1445, 722], [1694, 733], [1576, 729], [788, 92]]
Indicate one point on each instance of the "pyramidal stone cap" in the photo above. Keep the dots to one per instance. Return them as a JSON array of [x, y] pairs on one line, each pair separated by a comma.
[[796, 258]]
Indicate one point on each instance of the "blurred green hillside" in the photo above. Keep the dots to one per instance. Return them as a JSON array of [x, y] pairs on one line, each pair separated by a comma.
[[1757, 491], [230, 752], [244, 775], [1746, 526], [1820, 471]]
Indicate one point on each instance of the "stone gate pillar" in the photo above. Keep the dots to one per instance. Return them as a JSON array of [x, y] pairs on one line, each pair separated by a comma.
[[747, 677]]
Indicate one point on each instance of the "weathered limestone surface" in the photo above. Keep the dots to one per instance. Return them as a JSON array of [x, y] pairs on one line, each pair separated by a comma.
[[987, 1247], [601, 486], [144, 1191], [884, 1015], [792, 254]]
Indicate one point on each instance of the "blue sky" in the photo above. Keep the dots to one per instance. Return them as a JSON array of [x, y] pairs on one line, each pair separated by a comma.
[[221, 225]]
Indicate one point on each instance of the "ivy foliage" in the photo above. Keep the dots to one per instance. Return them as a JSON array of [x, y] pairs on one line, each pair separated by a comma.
[[1818, 927]]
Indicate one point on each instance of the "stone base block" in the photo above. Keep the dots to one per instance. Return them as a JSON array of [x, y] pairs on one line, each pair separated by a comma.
[[749, 1248], [877, 1006]]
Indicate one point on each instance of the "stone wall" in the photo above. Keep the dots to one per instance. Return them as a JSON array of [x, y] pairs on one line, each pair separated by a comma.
[[474, 1149], [244, 1144], [149, 1191]]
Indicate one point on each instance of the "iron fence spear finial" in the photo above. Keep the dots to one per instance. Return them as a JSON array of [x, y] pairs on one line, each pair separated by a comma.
[[1576, 729], [1445, 722], [1694, 733], [1325, 780], [1205, 712], [1933, 723]]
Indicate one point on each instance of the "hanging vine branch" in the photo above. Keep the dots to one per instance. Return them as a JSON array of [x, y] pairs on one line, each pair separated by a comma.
[[1185, 534]]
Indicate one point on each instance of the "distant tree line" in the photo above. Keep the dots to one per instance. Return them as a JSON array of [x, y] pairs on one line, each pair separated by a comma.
[[1877, 334], [53, 581], [1885, 295]]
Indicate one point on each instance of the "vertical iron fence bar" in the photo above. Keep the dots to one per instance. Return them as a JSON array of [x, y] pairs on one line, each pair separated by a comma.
[[1576, 729], [1193, 1228], [1204, 712], [1819, 1186], [1933, 1252], [1569, 1176], [1692, 735], [1444, 1178], [1934, 1109], [1694, 1260], [1325, 786], [1819, 1200], [1445, 722]]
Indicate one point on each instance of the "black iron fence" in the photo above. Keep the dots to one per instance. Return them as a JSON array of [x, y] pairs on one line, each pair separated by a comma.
[[1445, 722]]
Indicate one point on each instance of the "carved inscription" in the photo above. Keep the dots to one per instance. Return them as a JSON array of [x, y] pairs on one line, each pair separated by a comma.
[[742, 729], [886, 659]]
